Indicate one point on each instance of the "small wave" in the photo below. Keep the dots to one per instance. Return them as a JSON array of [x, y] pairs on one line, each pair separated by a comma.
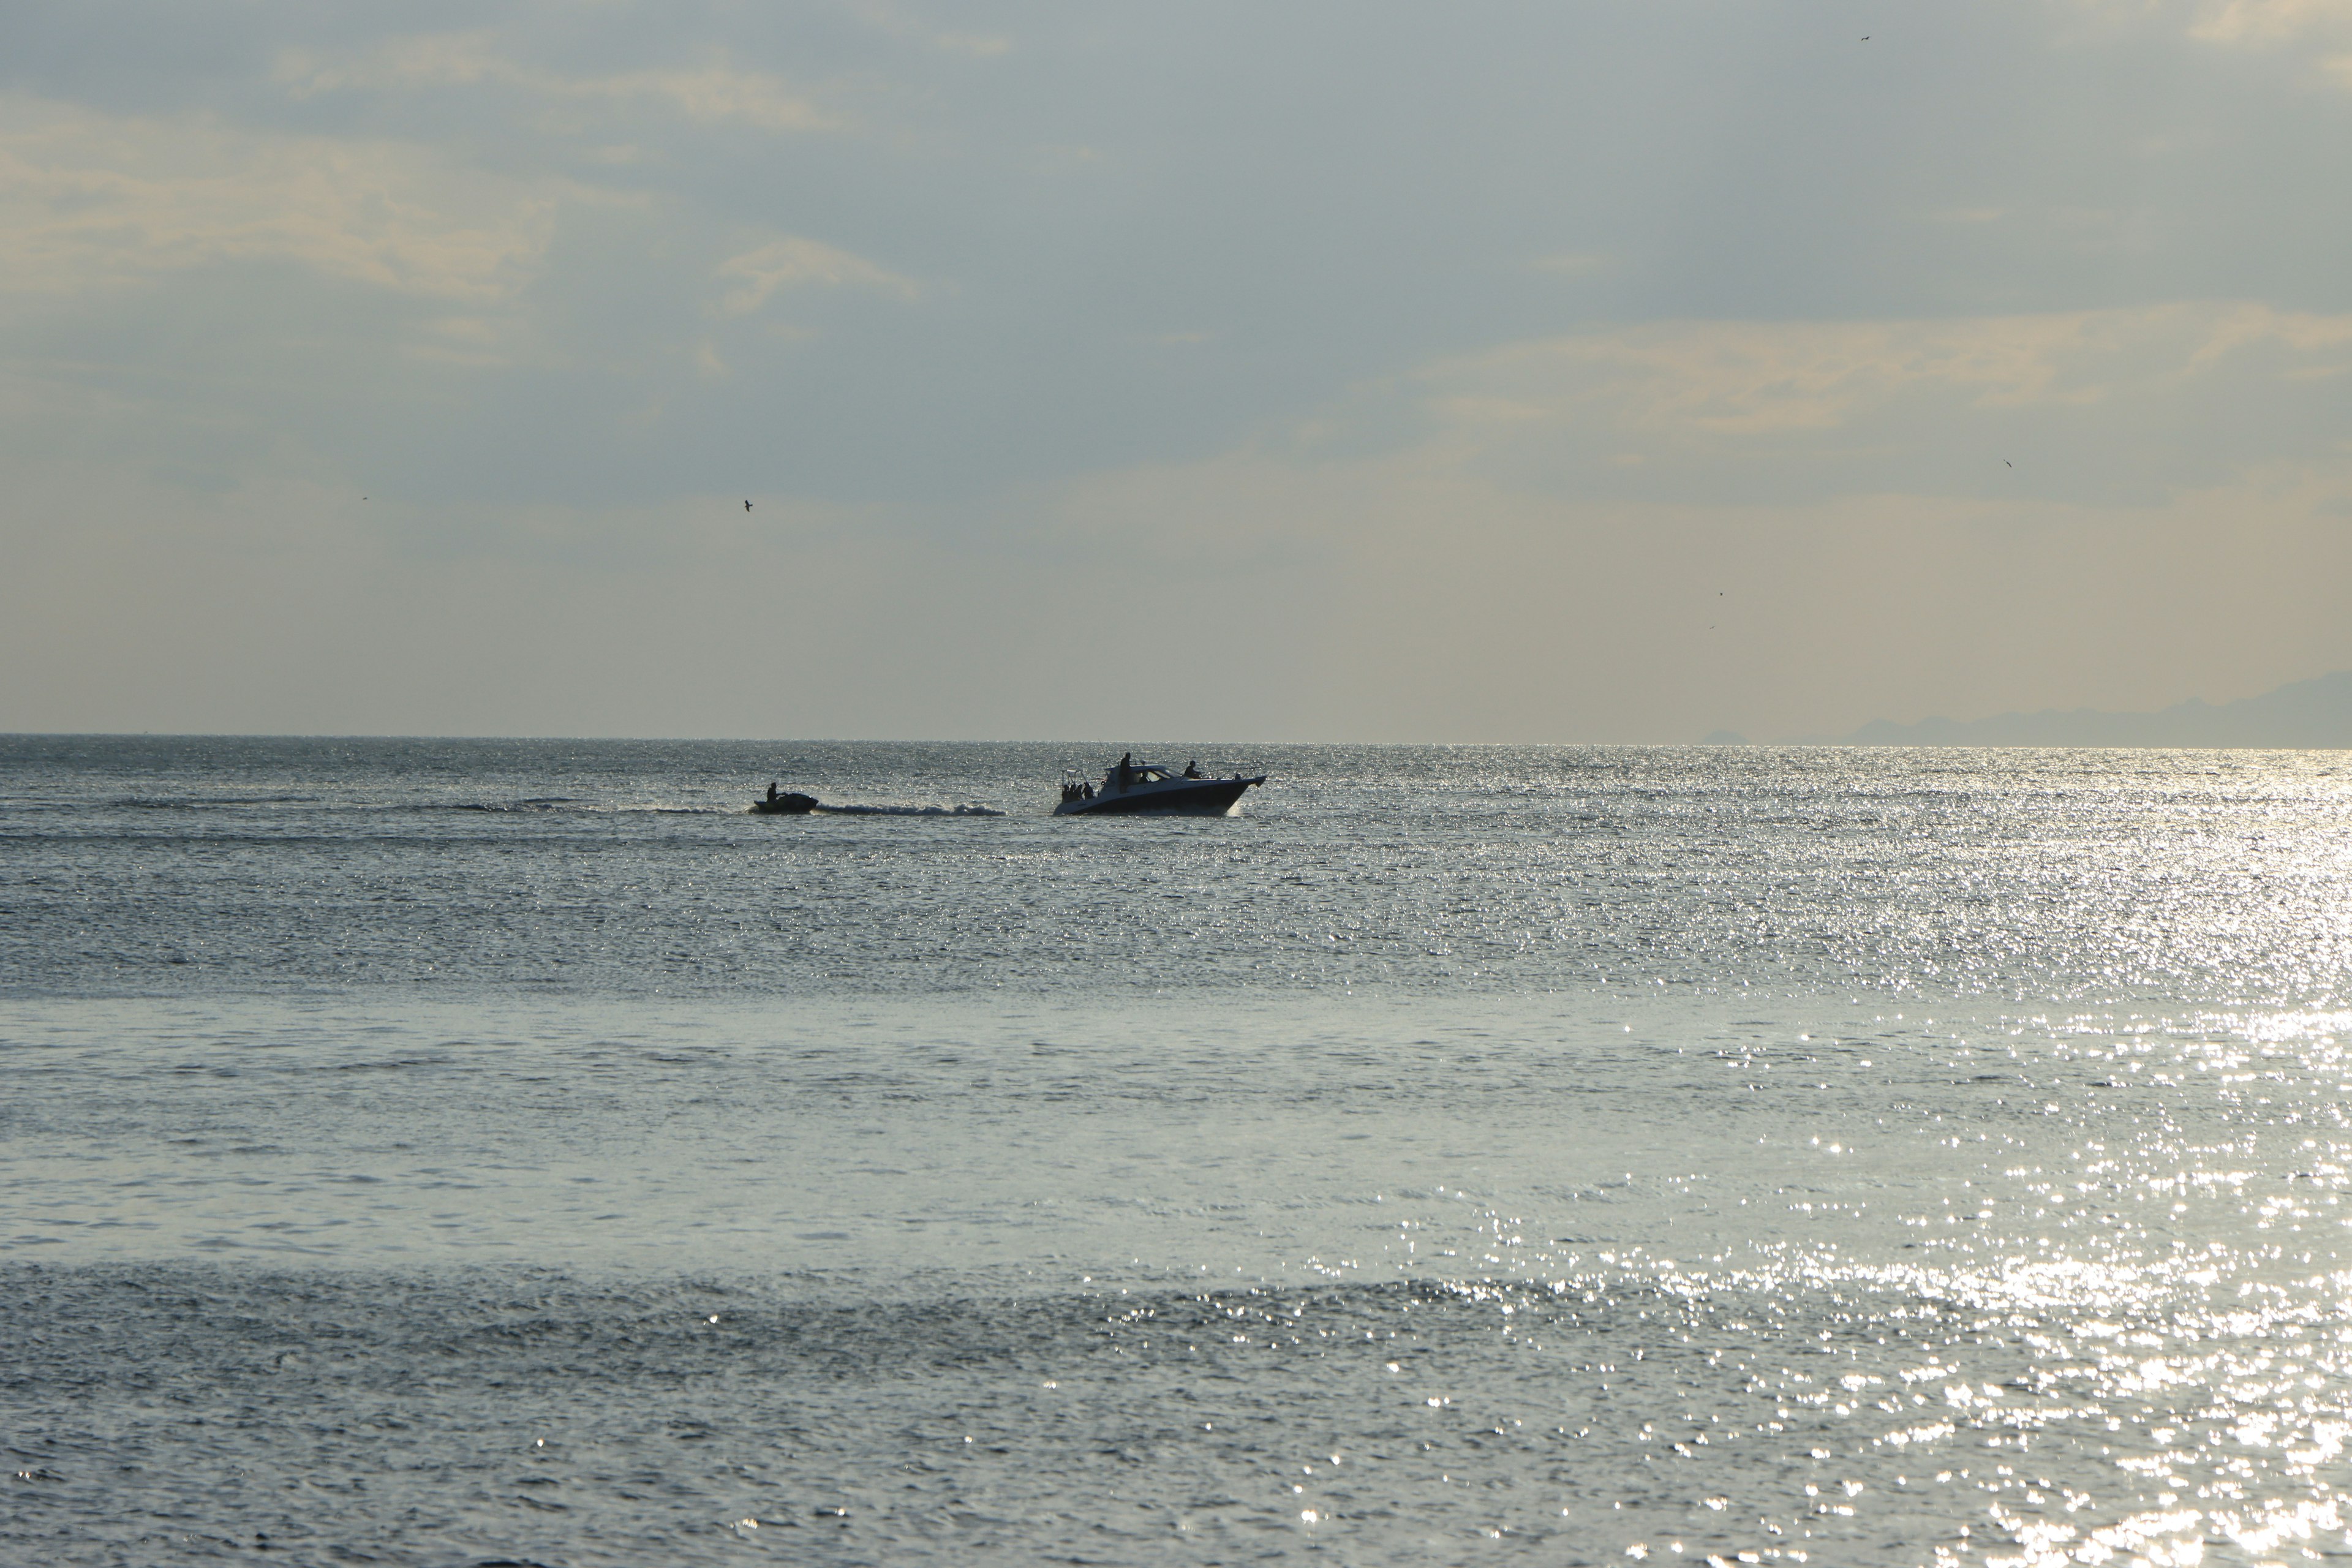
[[535, 803], [906, 810], [555, 803], [201, 802]]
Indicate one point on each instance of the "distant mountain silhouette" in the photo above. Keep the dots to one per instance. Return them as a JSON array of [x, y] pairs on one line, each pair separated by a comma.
[[2306, 715]]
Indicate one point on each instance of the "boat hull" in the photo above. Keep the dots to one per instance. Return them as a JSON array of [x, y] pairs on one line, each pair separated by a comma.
[[785, 806], [1202, 797]]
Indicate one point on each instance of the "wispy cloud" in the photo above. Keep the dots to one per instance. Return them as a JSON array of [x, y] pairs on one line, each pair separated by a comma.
[[714, 91], [2317, 31], [89, 198], [1750, 381], [2270, 21], [893, 20], [793, 262]]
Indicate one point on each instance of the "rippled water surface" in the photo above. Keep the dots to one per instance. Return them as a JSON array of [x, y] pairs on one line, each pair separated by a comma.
[[450, 1153]]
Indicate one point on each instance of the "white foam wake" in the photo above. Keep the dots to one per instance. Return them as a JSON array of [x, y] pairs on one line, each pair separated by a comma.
[[906, 810]]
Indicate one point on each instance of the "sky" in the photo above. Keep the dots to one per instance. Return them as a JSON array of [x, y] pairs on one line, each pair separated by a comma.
[[1547, 372]]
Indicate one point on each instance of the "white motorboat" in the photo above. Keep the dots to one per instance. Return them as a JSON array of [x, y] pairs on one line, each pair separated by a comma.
[[1129, 785]]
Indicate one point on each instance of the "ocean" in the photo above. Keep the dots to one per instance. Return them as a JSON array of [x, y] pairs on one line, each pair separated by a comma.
[[468, 1153]]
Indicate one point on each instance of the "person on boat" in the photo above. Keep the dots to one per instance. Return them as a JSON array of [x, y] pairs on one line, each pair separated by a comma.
[[1126, 769], [772, 792], [1192, 768]]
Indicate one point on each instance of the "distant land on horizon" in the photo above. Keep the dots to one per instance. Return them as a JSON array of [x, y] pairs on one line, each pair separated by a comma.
[[2304, 715]]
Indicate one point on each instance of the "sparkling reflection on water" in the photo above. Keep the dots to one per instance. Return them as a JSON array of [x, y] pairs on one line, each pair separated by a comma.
[[1748, 1277], [1577, 1158], [2034, 1415]]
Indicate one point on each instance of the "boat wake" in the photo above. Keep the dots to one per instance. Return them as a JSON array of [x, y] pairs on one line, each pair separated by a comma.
[[569, 805], [537, 802], [824, 810], [534, 806]]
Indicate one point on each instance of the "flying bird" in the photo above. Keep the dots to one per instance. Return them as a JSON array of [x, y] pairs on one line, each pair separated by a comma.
[[2007, 464], [747, 506]]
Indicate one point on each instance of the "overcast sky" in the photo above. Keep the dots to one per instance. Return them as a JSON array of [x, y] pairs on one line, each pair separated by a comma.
[[1549, 371]]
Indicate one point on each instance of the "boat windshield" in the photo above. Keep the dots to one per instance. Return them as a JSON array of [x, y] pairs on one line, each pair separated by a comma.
[[1144, 772]]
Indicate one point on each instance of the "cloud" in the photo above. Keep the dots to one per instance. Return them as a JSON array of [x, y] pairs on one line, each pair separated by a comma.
[[2270, 21], [714, 92], [1425, 600], [793, 262], [1297, 365], [892, 20], [1508, 567], [1841, 406], [2304, 32], [90, 198], [1417, 588]]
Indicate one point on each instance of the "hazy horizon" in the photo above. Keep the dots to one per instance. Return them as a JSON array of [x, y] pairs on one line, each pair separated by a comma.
[[2314, 714], [1586, 374]]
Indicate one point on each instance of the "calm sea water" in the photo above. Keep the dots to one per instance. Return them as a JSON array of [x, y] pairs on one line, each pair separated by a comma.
[[448, 1153]]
